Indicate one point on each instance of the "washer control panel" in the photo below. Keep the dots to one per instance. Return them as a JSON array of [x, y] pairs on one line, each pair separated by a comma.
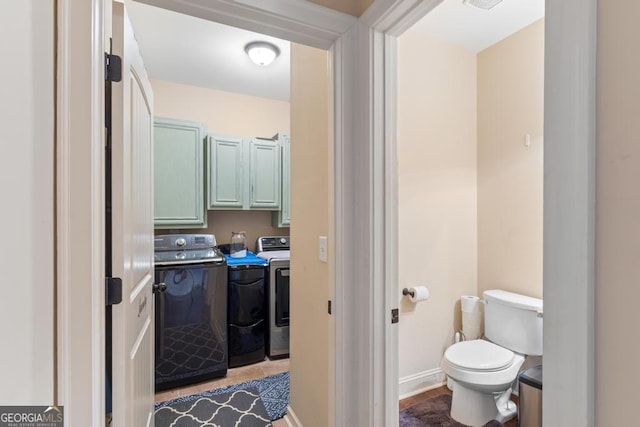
[[172, 242]]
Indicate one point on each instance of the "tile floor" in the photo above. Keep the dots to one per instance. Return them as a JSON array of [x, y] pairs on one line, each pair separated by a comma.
[[443, 390], [234, 376]]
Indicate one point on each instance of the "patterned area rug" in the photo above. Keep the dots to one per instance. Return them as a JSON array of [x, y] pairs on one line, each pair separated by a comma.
[[433, 412], [272, 397], [235, 408]]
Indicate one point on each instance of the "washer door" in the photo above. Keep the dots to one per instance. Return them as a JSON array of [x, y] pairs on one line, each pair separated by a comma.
[[179, 282]]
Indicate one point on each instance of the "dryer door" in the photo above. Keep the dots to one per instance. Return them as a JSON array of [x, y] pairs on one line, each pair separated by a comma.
[[282, 297]]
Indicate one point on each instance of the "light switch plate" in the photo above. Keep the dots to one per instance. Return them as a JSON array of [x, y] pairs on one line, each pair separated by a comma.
[[322, 248]]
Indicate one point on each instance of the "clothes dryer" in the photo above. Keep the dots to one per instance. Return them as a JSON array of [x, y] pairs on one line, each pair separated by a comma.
[[276, 250]]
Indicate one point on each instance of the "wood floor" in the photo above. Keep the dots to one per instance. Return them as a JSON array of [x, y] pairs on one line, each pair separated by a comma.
[[437, 392]]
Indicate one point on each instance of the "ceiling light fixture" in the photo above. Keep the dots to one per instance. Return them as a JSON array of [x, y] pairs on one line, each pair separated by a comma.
[[482, 4], [262, 53]]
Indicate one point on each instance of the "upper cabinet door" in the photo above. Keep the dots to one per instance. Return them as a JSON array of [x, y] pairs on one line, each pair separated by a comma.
[[286, 180], [178, 173], [225, 172], [264, 174], [282, 218]]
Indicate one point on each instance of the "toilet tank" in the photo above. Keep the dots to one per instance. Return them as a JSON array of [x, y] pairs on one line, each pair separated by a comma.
[[513, 321]]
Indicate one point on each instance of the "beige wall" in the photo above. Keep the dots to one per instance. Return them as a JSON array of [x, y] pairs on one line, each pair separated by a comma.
[[617, 213], [27, 188], [470, 192], [311, 330], [231, 114], [510, 175], [437, 194], [222, 112], [352, 7]]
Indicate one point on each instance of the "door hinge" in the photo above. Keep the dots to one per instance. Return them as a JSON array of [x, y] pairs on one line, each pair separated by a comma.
[[113, 290], [112, 67], [395, 316], [329, 306]]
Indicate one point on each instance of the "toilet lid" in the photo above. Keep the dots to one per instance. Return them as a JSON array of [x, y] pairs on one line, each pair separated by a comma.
[[479, 355]]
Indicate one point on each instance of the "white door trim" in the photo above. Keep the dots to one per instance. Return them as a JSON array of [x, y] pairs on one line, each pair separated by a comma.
[[294, 20], [80, 161], [569, 208], [80, 211], [569, 212], [364, 63], [380, 26]]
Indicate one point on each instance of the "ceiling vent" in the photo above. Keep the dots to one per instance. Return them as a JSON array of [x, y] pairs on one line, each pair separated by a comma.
[[482, 4]]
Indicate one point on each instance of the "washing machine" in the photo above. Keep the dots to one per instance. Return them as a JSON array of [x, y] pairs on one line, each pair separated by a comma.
[[191, 310]]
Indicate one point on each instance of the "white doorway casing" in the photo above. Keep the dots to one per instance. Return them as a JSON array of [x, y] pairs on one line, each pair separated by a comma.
[[363, 60], [569, 213], [80, 210], [569, 199]]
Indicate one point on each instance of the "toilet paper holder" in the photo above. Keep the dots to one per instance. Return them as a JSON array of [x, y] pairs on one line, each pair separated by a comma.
[[406, 291]]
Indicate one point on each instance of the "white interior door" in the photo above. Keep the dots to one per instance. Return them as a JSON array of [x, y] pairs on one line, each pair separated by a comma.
[[132, 213]]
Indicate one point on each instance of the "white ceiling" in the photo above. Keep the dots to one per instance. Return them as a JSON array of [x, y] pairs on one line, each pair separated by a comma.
[[184, 49], [476, 29], [188, 50]]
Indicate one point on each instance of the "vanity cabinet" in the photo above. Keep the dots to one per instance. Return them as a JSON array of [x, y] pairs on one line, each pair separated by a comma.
[[243, 173], [178, 154], [282, 218]]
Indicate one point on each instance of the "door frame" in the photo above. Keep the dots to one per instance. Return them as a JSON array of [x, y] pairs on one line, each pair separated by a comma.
[[362, 55], [569, 196], [80, 213]]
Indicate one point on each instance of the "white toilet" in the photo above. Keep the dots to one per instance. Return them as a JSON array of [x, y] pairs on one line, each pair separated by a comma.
[[484, 371]]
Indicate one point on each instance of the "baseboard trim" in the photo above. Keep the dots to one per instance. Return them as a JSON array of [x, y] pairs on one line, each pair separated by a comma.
[[421, 382], [291, 418]]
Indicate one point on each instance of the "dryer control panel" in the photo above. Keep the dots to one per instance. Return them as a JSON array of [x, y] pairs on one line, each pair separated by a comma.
[[272, 243]]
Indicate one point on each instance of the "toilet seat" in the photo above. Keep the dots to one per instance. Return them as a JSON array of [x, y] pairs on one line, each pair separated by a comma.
[[479, 356]]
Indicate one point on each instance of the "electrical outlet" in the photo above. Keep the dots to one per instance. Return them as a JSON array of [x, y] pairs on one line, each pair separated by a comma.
[[322, 248]]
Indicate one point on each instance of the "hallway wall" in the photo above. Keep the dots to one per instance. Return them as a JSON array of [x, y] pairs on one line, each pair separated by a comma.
[[312, 328], [617, 212], [27, 180]]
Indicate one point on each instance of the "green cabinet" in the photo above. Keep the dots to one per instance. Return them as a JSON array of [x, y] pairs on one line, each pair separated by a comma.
[[264, 174], [224, 172], [243, 173], [178, 174], [282, 218]]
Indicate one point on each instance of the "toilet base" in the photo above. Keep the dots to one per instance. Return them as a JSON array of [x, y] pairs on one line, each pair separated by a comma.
[[506, 408], [475, 408]]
